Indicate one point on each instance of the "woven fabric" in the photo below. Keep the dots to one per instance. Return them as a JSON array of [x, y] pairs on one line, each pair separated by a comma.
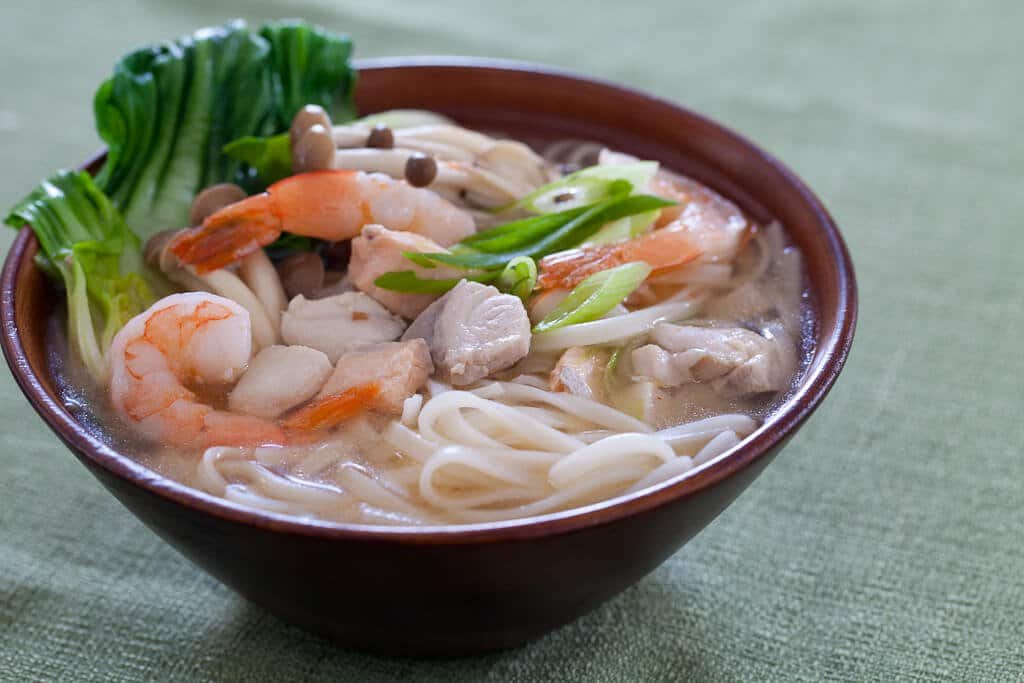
[[885, 543]]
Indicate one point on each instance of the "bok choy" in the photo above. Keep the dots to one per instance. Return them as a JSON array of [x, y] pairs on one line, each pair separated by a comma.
[[87, 246], [166, 113], [169, 109]]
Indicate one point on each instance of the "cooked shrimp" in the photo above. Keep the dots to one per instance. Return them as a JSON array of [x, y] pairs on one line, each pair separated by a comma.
[[331, 205], [717, 226], [704, 227], [662, 249], [196, 339]]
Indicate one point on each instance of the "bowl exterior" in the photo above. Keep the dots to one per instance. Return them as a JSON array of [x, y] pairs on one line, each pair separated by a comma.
[[447, 593], [429, 599]]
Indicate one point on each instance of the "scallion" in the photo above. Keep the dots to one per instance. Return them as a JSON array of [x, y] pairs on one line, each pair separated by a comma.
[[596, 296]]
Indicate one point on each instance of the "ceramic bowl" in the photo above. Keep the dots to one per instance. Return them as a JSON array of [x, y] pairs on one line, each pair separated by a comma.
[[460, 590]]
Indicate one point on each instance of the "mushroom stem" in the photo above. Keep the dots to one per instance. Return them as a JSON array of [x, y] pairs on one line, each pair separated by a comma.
[[260, 275], [227, 284]]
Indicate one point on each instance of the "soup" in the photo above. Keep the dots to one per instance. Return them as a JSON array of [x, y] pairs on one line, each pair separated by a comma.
[[425, 324]]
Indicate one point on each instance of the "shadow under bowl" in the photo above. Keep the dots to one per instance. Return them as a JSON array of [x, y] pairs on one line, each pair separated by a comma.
[[467, 589]]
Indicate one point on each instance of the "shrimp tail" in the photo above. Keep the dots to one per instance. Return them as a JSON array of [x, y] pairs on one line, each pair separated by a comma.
[[229, 234], [334, 409]]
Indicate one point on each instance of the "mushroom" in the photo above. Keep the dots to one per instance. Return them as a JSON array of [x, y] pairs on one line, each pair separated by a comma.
[[337, 255], [302, 273], [420, 170], [467, 167], [313, 151], [213, 199], [380, 137], [306, 118], [312, 145]]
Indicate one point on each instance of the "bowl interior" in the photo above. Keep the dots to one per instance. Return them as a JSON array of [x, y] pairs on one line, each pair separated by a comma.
[[533, 103]]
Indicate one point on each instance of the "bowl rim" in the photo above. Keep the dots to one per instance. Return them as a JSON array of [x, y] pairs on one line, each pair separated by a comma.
[[819, 378]]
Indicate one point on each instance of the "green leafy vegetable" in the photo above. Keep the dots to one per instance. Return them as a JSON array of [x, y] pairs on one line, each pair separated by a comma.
[[157, 115], [87, 244], [269, 157], [408, 282], [595, 296], [519, 277], [169, 109], [309, 66]]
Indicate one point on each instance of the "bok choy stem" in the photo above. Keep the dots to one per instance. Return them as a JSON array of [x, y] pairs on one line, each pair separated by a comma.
[[86, 243]]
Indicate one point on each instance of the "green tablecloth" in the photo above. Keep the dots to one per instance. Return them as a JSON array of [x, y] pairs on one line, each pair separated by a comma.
[[885, 543]]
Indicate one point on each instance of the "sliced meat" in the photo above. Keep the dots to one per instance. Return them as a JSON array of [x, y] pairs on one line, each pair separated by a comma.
[[339, 323], [737, 361], [399, 368], [473, 331], [278, 379], [580, 371], [378, 250], [653, 362]]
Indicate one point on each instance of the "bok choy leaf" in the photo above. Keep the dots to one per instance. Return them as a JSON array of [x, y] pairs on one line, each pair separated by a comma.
[[86, 244], [309, 65], [169, 109]]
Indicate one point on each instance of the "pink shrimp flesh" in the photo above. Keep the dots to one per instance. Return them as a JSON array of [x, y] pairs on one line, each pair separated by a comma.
[[331, 205]]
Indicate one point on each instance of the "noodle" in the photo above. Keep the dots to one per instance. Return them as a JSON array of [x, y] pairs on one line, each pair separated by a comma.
[[608, 330], [458, 465]]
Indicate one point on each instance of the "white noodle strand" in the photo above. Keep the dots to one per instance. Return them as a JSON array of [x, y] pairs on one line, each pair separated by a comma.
[[616, 329]]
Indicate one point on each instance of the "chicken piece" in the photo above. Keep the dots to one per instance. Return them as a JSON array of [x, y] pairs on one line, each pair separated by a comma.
[[378, 250], [279, 378], [399, 369], [473, 331], [737, 361], [580, 371], [340, 323]]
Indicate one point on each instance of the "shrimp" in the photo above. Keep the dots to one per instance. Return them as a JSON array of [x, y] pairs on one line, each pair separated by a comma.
[[717, 227], [196, 339], [662, 249], [703, 228], [331, 205]]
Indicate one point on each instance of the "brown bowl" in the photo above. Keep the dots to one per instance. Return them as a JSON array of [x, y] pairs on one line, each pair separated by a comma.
[[459, 590]]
